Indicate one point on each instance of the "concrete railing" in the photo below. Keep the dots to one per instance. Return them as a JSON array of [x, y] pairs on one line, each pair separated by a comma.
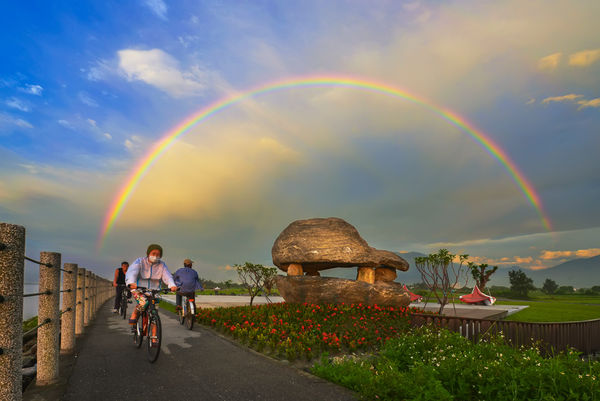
[[83, 294]]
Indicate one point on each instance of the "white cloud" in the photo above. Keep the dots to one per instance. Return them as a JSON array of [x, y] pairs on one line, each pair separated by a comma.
[[158, 7], [133, 143], [187, 40], [584, 58], [8, 120], [531, 101], [31, 168], [161, 70], [549, 62], [66, 124], [99, 71], [565, 98], [588, 103], [108, 136], [17, 104], [92, 122], [22, 123], [85, 98], [32, 89], [411, 6]]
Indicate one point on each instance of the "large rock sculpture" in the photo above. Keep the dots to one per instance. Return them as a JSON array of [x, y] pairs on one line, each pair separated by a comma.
[[307, 247]]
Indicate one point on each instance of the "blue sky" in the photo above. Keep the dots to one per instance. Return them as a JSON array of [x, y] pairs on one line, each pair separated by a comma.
[[87, 88]]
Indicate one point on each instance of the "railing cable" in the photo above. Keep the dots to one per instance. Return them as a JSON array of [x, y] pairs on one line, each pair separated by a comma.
[[47, 292], [45, 264], [48, 320]]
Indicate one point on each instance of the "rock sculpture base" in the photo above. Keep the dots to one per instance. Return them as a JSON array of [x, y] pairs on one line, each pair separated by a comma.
[[331, 290]]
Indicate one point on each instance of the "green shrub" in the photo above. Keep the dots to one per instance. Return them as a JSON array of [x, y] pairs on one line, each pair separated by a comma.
[[436, 365]]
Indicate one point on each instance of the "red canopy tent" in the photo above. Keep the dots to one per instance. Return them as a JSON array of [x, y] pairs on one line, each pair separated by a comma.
[[413, 297], [477, 297]]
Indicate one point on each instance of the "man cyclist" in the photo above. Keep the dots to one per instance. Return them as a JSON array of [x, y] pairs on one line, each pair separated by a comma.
[[119, 283], [187, 280], [147, 272]]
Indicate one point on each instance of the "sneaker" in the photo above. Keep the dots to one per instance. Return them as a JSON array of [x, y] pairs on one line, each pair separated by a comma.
[[115, 311]]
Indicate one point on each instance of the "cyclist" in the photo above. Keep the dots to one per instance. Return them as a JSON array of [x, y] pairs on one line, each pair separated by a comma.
[[119, 283], [187, 280], [147, 272]]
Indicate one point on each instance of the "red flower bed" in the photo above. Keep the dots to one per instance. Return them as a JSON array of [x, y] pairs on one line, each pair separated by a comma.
[[306, 330]]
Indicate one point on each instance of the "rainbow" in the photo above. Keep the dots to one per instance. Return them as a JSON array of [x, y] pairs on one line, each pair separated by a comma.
[[163, 144]]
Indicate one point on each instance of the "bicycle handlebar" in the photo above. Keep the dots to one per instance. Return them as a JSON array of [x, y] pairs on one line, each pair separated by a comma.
[[163, 290]]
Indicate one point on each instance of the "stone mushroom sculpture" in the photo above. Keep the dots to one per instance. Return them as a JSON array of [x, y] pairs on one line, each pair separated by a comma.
[[306, 247]]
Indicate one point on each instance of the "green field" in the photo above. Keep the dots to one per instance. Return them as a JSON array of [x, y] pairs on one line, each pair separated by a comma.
[[554, 311]]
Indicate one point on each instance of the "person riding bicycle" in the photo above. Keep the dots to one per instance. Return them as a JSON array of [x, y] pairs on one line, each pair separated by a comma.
[[188, 282], [119, 283], [147, 272]]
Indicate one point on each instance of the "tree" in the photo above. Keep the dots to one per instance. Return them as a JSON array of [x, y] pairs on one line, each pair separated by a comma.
[[228, 283], [440, 274], [549, 286], [480, 275], [253, 277], [520, 284], [565, 290]]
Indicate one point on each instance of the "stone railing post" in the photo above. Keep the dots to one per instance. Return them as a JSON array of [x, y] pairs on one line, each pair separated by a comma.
[[95, 298], [67, 320], [92, 295], [47, 340], [12, 252], [80, 301], [87, 299]]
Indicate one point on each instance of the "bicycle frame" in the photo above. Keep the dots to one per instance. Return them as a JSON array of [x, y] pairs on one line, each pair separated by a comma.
[[149, 318], [187, 314]]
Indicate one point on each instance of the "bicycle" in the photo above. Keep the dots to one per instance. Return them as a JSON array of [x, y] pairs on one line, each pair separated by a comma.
[[187, 313], [145, 324], [124, 301]]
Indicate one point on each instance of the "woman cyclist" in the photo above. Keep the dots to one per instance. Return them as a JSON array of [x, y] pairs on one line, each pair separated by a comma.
[[147, 272]]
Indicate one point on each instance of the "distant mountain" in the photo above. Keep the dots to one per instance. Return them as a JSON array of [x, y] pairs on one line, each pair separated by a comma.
[[580, 273]]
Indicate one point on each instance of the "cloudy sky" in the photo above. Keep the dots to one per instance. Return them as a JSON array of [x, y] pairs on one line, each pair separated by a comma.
[[86, 91]]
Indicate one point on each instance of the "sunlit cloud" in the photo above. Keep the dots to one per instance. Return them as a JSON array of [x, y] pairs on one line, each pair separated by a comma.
[[588, 103], [549, 62], [581, 253], [584, 58], [565, 98]]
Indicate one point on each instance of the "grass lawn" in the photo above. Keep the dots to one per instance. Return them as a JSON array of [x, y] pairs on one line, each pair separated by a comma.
[[553, 311]]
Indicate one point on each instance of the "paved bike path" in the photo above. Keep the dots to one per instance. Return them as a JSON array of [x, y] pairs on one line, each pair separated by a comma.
[[193, 365]]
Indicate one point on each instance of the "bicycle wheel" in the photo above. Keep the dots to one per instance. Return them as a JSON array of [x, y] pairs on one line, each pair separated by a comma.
[[124, 306], [190, 315], [154, 340], [181, 313], [138, 334]]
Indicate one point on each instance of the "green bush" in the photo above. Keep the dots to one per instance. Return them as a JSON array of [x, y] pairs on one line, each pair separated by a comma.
[[437, 365]]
